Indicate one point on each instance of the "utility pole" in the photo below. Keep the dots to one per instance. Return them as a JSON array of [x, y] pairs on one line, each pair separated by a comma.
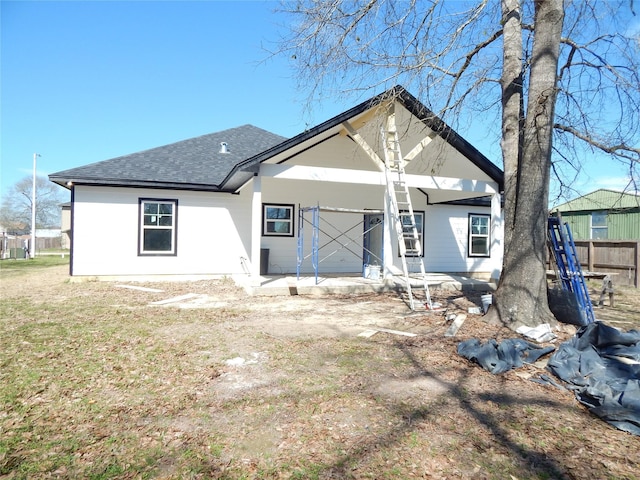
[[32, 247]]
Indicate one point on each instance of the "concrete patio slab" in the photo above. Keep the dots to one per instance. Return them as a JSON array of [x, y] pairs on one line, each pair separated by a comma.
[[275, 285]]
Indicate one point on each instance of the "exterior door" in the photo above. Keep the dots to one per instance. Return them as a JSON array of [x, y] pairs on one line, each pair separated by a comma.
[[372, 241]]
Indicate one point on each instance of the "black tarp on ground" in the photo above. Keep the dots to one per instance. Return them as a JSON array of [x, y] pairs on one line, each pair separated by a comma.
[[599, 363], [602, 366], [499, 358]]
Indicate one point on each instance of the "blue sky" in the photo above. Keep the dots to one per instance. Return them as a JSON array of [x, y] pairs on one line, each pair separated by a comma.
[[88, 81], [84, 81]]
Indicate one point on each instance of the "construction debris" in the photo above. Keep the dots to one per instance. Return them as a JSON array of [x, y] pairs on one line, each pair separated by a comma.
[[142, 289], [180, 298], [542, 333], [372, 332], [455, 326]]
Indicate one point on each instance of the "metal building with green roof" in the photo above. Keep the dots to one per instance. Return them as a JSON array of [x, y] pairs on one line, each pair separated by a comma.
[[603, 215]]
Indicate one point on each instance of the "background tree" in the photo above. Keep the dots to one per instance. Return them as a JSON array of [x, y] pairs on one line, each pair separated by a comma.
[[560, 78], [15, 216]]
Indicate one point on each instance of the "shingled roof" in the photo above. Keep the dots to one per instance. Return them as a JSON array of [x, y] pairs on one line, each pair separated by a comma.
[[193, 164]]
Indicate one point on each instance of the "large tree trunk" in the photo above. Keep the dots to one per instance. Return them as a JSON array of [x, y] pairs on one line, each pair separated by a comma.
[[521, 297]]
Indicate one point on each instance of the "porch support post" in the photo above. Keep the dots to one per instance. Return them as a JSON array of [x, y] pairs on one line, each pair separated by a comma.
[[256, 228], [387, 245]]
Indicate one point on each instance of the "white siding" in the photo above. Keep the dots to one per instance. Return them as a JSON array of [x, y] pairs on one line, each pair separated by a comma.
[[445, 241], [213, 232], [283, 250]]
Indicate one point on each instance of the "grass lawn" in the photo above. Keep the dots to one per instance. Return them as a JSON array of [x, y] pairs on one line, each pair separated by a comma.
[[104, 380], [15, 266]]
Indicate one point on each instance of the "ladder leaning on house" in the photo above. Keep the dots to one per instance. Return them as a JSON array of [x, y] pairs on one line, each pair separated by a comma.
[[569, 269], [409, 243]]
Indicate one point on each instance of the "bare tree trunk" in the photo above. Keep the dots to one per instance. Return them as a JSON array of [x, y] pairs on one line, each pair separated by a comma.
[[521, 298], [512, 114]]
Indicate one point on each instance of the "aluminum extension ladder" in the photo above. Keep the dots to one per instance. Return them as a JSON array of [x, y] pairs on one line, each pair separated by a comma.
[[569, 269], [403, 216]]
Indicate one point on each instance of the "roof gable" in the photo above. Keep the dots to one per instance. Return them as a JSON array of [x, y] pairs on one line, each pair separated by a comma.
[[243, 171], [601, 199]]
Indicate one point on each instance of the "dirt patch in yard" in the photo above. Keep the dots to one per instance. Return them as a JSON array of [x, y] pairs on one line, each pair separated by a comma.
[[108, 381]]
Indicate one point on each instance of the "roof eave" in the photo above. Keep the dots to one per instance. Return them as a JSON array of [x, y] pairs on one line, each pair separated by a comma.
[[97, 182]]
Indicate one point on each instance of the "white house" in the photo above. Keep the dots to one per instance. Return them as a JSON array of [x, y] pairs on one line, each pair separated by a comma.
[[213, 205]]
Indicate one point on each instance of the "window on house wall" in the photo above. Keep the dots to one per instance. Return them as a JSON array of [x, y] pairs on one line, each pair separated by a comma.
[[411, 247], [277, 220], [157, 232], [599, 229], [479, 235]]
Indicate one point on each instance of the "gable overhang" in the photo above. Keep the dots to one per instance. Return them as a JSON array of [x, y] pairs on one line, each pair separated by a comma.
[[438, 189]]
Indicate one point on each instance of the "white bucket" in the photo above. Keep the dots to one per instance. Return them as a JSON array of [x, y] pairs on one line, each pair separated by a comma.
[[486, 300], [372, 272]]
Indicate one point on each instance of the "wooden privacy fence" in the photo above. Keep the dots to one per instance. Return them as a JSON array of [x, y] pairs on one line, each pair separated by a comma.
[[611, 256], [9, 244]]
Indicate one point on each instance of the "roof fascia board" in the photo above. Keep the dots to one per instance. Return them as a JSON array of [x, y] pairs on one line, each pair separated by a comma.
[[65, 182], [256, 167]]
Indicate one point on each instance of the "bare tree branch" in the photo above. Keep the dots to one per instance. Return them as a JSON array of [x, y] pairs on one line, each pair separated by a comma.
[[620, 150]]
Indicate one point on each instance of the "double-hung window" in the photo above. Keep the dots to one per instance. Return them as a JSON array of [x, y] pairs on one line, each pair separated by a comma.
[[599, 228], [277, 220], [413, 248], [158, 222], [479, 235]]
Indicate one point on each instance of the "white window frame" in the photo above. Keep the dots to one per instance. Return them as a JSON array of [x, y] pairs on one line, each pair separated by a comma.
[[602, 228], [479, 235], [268, 222], [157, 221]]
